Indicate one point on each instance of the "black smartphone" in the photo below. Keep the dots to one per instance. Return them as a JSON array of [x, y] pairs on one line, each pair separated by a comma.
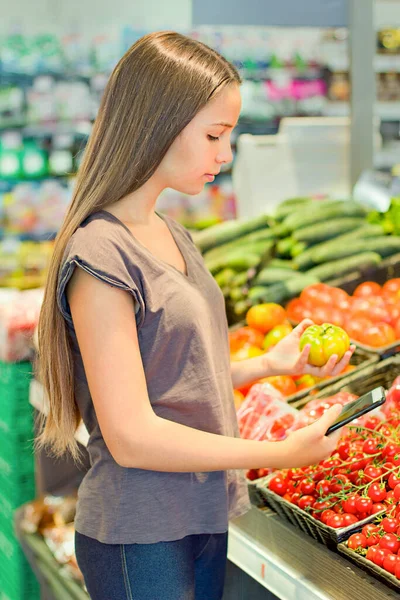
[[359, 407]]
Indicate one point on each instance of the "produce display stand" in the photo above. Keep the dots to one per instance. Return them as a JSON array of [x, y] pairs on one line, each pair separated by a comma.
[[54, 583], [293, 566]]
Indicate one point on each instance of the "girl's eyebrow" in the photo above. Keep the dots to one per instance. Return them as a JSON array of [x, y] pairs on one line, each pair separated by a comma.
[[222, 125]]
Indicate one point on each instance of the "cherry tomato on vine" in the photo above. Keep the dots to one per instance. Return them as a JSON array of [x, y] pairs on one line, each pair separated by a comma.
[[305, 502], [364, 505], [377, 507], [371, 473], [390, 563], [339, 483], [380, 556], [336, 521], [278, 485], [326, 514], [349, 519], [344, 450], [323, 487], [396, 492], [390, 542], [349, 505], [377, 491], [371, 446], [357, 540], [307, 486], [394, 479]]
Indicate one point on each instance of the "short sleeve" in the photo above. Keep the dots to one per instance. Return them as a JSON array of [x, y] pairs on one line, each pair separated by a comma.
[[104, 256]]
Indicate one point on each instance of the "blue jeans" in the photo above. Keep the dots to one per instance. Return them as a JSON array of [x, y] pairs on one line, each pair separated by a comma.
[[192, 568]]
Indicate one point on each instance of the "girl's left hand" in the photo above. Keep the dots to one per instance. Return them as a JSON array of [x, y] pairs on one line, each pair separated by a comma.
[[287, 359]]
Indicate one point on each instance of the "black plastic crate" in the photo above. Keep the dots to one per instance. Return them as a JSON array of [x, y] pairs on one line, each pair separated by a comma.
[[369, 567], [328, 536], [382, 373]]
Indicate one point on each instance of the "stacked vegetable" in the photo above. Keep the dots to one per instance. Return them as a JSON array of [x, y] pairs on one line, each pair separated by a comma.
[[360, 479], [267, 324], [371, 316], [306, 241]]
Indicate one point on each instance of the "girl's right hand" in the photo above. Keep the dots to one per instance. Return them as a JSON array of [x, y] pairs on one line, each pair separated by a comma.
[[310, 445]]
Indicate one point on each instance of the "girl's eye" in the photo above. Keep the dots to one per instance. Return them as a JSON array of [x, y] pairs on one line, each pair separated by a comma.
[[213, 139]]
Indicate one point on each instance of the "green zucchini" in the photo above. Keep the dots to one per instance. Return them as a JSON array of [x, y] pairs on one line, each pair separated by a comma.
[[227, 231], [318, 214], [306, 259], [327, 230], [342, 266], [288, 207], [282, 263], [225, 277], [238, 261], [297, 249], [284, 247], [384, 246], [245, 240], [280, 292], [274, 275]]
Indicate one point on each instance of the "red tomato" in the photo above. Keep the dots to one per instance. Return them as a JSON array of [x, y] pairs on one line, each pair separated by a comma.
[[371, 553], [367, 289], [282, 383], [377, 492], [316, 295], [344, 450], [278, 485], [340, 298], [350, 504], [393, 480], [394, 312], [336, 521], [349, 519], [391, 287], [296, 311], [371, 446], [306, 501], [326, 515], [323, 487], [380, 334], [389, 525], [364, 505], [396, 492], [397, 571], [380, 556], [371, 532], [307, 486], [397, 329], [390, 542], [377, 507], [371, 473], [339, 483], [245, 336], [355, 327], [390, 563], [390, 450], [357, 540], [295, 498]]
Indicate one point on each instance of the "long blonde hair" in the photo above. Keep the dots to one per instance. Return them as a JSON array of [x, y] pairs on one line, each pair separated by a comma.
[[155, 90]]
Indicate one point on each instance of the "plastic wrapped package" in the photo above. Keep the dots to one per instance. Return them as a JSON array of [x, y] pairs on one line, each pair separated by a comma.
[[264, 415], [19, 316]]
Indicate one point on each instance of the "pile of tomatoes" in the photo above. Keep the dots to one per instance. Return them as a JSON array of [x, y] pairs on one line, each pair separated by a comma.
[[267, 324], [370, 316], [361, 479], [380, 542]]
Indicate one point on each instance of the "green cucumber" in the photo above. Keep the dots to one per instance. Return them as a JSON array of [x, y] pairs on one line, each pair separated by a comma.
[[297, 249], [237, 293], [238, 261], [384, 246], [225, 277], [288, 207], [318, 214], [245, 240], [340, 267], [229, 230], [306, 259], [284, 247], [240, 279], [280, 263], [274, 275], [325, 231]]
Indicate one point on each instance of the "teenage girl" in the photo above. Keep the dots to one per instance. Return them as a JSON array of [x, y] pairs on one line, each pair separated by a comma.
[[133, 339]]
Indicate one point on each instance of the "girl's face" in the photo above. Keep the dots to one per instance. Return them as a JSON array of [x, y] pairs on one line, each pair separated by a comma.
[[200, 150]]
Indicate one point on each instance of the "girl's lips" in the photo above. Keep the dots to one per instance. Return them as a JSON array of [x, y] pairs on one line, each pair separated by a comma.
[[209, 176]]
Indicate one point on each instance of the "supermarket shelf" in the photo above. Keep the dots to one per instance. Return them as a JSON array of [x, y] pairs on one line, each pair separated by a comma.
[[38, 400], [382, 64], [293, 566], [387, 111], [268, 570]]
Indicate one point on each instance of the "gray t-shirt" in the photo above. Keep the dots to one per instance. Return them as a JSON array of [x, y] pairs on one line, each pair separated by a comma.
[[183, 341]]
